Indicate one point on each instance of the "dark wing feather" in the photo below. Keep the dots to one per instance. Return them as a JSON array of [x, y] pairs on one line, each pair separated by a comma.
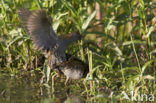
[[24, 15], [40, 28]]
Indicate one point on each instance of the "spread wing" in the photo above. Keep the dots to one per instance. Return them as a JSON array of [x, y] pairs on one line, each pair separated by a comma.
[[24, 15], [39, 26]]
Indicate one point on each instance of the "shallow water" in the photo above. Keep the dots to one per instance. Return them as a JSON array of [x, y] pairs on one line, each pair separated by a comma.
[[29, 90]]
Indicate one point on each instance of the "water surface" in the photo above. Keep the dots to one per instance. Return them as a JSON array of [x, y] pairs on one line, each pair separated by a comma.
[[14, 89]]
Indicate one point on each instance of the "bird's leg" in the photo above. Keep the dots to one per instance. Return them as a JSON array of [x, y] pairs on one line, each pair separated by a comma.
[[53, 82], [66, 81], [77, 83], [53, 79], [57, 74]]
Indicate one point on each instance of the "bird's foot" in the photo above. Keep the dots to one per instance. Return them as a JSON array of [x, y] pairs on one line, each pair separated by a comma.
[[66, 81], [53, 79]]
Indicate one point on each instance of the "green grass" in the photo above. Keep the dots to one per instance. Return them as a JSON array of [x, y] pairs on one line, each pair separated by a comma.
[[121, 49]]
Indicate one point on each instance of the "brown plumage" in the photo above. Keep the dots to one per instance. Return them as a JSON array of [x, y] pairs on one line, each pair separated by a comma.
[[73, 68], [39, 26]]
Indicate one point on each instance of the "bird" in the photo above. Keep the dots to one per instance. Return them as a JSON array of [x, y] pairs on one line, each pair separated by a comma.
[[73, 68], [39, 25]]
